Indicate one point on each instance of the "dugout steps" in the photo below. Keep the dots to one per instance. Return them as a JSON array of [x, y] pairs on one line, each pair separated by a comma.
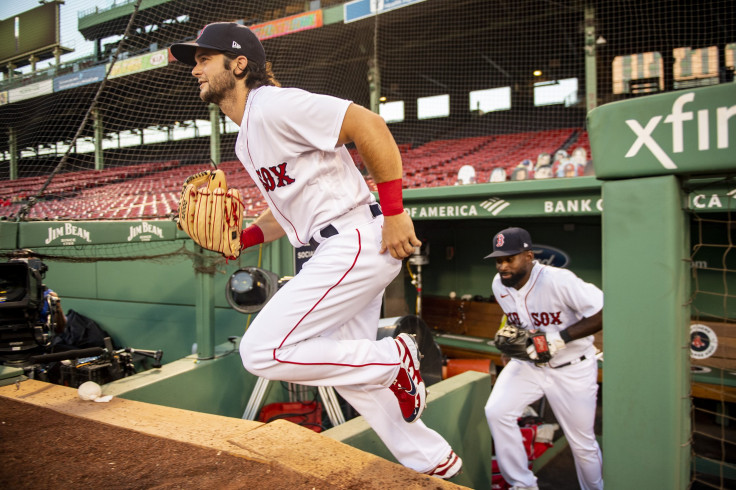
[[278, 444]]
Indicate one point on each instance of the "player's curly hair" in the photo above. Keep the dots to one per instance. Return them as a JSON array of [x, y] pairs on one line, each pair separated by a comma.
[[256, 75]]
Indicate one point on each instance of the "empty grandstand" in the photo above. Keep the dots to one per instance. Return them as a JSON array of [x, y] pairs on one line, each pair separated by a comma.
[[505, 83]]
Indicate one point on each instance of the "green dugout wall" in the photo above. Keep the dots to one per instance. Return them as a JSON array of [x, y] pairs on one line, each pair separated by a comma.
[[644, 149], [145, 282], [96, 266]]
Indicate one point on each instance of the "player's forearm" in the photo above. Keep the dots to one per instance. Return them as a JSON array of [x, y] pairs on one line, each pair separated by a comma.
[[380, 155], [374, 143], [264, 229], [583, 328], [269, 226]]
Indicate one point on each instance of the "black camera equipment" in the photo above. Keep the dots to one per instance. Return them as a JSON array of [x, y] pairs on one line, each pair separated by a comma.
[[98, 364], [23, 330], [27, 332]]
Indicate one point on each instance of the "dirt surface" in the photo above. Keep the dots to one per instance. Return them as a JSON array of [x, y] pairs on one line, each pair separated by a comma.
[[41, 449], [51, 440]]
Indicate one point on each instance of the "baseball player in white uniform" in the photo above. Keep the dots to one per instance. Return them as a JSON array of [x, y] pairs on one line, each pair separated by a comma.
[[320, 328], [568, 311]]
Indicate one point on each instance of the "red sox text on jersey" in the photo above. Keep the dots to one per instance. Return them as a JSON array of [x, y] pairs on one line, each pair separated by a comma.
[[267, 174], [544, 318]]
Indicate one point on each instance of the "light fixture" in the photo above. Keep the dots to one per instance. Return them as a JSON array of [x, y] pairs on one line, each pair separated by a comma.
[[537, 73], [382, 99], [249, 289]]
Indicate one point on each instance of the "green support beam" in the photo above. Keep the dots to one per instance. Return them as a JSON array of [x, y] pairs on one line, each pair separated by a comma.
[[215, 134], [99, 135], [204, 306], [374, 84], [646, 404], [13, 149], [591, 74]]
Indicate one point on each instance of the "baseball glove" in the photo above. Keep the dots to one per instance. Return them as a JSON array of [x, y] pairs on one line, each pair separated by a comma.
[[513, 342], [211, 214], [522, 344]]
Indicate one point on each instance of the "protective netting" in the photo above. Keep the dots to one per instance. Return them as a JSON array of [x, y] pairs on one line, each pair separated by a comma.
[[471, 85], [467, 86], [713, 334]]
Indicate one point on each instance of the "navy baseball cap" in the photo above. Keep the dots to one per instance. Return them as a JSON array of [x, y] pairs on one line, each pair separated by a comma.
[[222, 36], [510, 241]]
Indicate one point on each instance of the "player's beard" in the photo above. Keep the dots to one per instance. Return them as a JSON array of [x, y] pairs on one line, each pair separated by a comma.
[[514, 280], [218, 87]]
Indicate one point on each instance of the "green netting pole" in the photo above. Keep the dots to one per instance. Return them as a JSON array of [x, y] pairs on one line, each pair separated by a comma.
[[99, 135], [204, 307], [374, 72], [591, 74], [646, 403], [215, 134], [13, 149]]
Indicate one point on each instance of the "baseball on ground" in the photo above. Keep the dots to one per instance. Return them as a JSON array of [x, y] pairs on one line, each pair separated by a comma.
[[89, 390]]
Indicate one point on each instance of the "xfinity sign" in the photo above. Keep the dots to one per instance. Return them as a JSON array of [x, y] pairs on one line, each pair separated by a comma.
[[683, 132], [677, 119]]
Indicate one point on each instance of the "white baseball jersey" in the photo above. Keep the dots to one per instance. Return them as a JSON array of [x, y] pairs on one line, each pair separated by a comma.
[[292, 157], [550, 301]]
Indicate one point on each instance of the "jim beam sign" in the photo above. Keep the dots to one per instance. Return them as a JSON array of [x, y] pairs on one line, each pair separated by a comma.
[[37, 234], [144, 232], [67, 234]]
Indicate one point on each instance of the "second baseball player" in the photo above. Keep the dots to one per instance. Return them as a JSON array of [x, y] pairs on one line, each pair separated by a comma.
[[568, 311]]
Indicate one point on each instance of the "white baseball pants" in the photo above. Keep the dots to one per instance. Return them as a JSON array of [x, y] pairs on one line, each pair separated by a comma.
[[571, 392], [320, 329]]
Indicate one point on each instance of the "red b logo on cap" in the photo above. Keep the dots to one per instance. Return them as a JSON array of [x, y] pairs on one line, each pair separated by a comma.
[[499, 240]]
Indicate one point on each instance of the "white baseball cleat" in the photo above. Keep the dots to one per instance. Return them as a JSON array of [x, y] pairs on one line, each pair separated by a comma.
[[450, 467], [408, 385]]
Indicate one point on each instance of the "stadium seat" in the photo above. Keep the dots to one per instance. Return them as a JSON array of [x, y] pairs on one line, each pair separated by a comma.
[[466, 175], [151, 189]]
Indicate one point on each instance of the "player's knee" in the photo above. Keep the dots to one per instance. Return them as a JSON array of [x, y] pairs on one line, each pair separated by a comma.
[[255, 366], [255, 360], [252, 367], [492, 414], [496, 414], [586, 455]]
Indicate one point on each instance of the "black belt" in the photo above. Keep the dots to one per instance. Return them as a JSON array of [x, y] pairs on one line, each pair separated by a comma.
[[574, 361], [330, 230]]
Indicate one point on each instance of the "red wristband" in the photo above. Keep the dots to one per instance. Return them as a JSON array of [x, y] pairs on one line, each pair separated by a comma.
[[252, 235], [389, 195]]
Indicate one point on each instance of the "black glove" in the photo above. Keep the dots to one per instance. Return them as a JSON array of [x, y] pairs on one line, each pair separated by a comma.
[[513, 342]]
